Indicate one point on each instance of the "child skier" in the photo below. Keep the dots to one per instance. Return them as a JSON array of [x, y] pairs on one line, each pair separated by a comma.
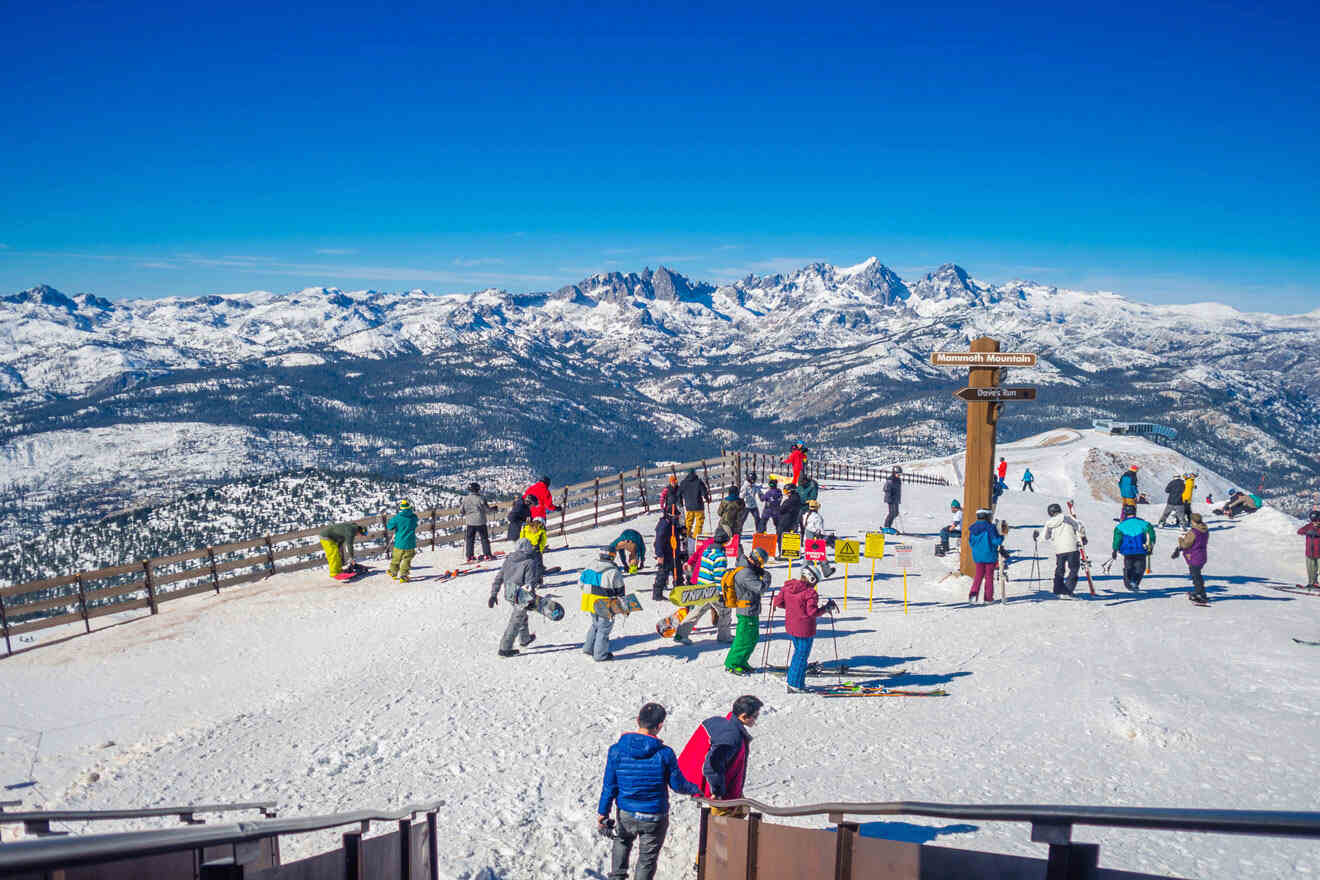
[[1311, 531], [1028, 481], [1135, 539], [1192, 546], [801, 604], [522, 569], [814, 529], [602, 578], [534, 532], [404, 526], [750, 580], [986, 542]]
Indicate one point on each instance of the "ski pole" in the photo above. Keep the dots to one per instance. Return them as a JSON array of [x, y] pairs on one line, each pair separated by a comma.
[[769, 624], [834, 637]]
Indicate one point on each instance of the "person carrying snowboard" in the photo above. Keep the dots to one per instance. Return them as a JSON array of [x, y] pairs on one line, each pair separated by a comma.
[[474, 508], [801, 604], [543, 504], [1173, 503], [731, 511], [1028, 481], [522, 569], [404, 526], [534, 531], [1192, 546], [1068, 537], [716, 755], [1135, 539], [696, 495], [640, 771], [749, 581], [751, 495], [337, 542], [1311, 531], [986, 542], [602, 578], [631, 549], [893, 494], [709, 564], [670, 552], [519, 513]]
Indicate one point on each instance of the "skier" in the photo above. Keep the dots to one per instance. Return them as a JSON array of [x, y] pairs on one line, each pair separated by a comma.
[[750, 580], [670, 552], [952, 529], [474, 508], [631, 550], [669, 495], [522, 568], [1135, 539], [404, 526], [1028, 481], [1192, 547], [639, 771], [337, 542], [790, 511], [801, 604], [893, 495], [814, 529], [773, 498], [732, 512], [715, 757], [986, 543], [543, 504], [602, 578], [709, 563], [1311, 531], [796, 459], [1127, 486], [534, 532], [519, 513], [1189, 492], [751, 495], [1068, 536], [1174, 503], [696, 495], [1002, 472]]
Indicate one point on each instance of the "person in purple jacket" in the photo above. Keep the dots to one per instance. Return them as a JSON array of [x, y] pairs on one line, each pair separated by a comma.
[[1192, 545]]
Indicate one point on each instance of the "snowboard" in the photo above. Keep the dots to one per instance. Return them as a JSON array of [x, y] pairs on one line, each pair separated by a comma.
[[351, 574], [669, 625], [542, 605], [618, 605]]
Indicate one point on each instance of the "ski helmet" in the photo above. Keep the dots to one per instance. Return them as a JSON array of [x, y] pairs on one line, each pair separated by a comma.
[[773, 482], [984, 513], [1054, 510], [758, 557], [539, 519], [810, 574], [474, 487], [1315, 514]]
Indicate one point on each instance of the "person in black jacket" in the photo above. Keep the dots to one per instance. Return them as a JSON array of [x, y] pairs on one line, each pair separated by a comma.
[[790, 511], [669, 534], [893, 495], [521, 510], [695, 495], [1173, 503]]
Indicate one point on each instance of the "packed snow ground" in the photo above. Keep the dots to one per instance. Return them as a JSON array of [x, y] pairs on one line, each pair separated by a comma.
[[326, 697]]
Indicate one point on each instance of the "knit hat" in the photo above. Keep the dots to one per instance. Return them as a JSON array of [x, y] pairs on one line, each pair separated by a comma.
[[405, 504], [813, 504]]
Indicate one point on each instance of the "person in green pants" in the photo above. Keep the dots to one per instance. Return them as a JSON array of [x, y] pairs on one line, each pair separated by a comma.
[[750, 580], [404, 526]]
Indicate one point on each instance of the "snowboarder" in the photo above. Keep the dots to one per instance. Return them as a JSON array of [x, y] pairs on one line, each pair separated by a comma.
[[893, 494], [474, 508], [716, 755], [801, 604], [986, 542], [953, 529], [790, 511], [1068, 536], [1241, 503], [796, 459], [404, 526], [543, 504], [639, 772], [751, 495], [522, 569], [631, 549], [1127, 486], [773, 499], [696, 495], [1135, 539], [709, 563], [1311, 531], [337, 542], [670, 552], [534, 532], [1174, 503], [602, 578], [1192, 547], [731, 511], [519, 513], [813, 528], [1028, 481], [749, 581]]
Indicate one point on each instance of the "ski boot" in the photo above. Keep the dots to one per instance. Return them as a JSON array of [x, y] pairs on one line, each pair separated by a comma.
[[512, 652]]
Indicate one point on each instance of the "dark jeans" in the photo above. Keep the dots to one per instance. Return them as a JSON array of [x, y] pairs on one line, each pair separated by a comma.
[[650, 832], [893, 515], [1198, 582], [1073, 563], [471, 533], [1028, 486], [946, 533], [664, 569], [1133, 569]]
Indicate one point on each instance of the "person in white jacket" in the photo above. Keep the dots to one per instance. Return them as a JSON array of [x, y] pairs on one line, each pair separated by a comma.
[[814, 528], [751, 494], [1068, 536]]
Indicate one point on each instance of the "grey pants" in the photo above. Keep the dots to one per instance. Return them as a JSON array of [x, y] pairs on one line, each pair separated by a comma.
[[516, 628], [1174, 512], [597, 642], [724, 616], [651, 831], [1312, 571]]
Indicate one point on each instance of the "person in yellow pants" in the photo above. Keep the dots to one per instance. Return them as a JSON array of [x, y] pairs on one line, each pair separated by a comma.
[[404, 526], [337, 542]]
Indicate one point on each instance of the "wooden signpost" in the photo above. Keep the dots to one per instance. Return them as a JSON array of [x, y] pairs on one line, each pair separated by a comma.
[[984, 396]]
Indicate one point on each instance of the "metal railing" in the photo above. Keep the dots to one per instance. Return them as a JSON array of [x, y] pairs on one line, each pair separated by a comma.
[[38, 821]]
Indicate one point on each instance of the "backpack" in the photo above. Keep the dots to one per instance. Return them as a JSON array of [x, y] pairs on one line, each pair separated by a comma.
[[731, 599]]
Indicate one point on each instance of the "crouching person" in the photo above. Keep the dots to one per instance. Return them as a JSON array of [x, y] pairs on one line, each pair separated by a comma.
[[604, 580], [337, 542], [639, 772], [522, 569]]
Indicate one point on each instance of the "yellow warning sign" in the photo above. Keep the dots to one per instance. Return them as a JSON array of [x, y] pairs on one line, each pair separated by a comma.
[[791, 544], [875, 545], [848, 551]]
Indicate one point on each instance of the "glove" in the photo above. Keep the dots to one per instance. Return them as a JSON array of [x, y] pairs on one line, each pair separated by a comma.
[[1175, 554], [1083, 542], [1113, 555], [831, 606], [632, 569], [491, 603]]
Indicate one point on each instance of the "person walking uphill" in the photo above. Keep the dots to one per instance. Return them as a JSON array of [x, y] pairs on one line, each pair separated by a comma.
[[801, 604], [404, 526], [750, 580], [893, 495], [1068, 536], [602, 578], [640, 770], [985, 540], [716, 755], [337, 542], [1135, 539], [695, 495], [1193, 546], [474, 508], [1311, 531], [522, 569]]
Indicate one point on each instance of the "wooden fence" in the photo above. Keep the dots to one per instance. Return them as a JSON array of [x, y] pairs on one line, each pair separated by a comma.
[[600, 501]]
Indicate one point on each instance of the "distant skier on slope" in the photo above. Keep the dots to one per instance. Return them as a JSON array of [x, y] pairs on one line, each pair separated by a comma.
[[1002, 470], [893, 495], [1193, 546], [337, 542], [1068, 537], [1028, 481], [1311, 531], [522, 569], [1135, 539]]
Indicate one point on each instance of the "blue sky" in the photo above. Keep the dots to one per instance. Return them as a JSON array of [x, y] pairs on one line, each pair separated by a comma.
[[1168, 152]]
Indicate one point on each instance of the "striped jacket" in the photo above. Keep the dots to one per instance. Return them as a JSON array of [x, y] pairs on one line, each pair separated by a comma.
[[714, 563]]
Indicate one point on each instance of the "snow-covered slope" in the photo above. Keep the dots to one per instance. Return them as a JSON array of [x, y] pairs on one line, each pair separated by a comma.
[[333, 697]]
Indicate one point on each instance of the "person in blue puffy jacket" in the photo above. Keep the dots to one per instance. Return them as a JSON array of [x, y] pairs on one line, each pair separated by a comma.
[[985, 540], [1135, 539], [639, 771]]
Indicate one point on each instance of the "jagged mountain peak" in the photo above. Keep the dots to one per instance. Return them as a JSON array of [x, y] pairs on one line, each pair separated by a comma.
[[44, 294]]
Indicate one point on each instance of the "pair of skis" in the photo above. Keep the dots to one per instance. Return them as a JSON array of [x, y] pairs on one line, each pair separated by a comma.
[[816, 669], [848, 689], [1086, 560], [1296, 589]]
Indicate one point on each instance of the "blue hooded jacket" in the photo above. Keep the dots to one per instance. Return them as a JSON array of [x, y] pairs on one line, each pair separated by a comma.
[[639, 772], [984, 539]]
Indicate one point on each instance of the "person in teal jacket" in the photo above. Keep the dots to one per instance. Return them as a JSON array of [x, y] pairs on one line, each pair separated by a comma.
[[404, 526], [1135, 539]]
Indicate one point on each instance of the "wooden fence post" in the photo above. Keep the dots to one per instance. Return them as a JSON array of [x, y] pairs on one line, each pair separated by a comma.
[[703, 839], [4, 624], [432, 528], [843, 850], [354, 868], [270, 557], [151, 588], [405, 849], [595, 517], [82, 603], [641, 490], [215, 576], [623, 504], [753, 833], [433, 844]]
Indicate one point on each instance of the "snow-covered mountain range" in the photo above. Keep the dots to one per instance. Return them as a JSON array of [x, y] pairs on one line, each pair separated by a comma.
[[102, 402]]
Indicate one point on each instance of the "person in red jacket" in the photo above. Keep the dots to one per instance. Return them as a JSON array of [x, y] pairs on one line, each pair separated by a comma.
[[1003, 468], [801, 604], [1312, 532], [540, 490], [715, 757], [796, 459]]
